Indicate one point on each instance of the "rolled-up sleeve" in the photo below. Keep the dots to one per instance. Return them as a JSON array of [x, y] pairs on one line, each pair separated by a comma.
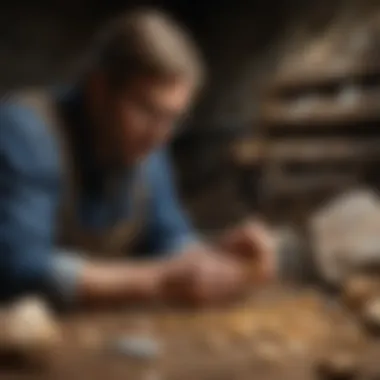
[[169, 230], [29, 195]]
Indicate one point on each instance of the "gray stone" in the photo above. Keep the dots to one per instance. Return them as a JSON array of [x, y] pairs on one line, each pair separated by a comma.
[[136, 347]]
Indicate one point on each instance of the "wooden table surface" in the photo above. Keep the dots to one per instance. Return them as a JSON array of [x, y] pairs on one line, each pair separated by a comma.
[[281, 335]]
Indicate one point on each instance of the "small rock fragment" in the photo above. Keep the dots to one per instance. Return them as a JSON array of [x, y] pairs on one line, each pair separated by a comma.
[[371, 315], [90, 337], [338, 366], [215, 342], [358, 289], [241, 325], [152, 374], [270, 352], [137, 347], [297, 348]]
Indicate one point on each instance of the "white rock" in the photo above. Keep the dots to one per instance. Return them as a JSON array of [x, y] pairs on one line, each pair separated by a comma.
[[29, 329], [346, 234]]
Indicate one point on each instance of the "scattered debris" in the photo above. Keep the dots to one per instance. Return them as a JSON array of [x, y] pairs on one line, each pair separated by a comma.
[[216, 342], [90, 337], [297, 348], [338, 366], [144, 348], [358, 289], [270, 352], [371, 315], [152, 374]]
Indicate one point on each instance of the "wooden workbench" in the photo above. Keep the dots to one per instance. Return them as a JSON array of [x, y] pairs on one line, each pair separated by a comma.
[[277, 335]]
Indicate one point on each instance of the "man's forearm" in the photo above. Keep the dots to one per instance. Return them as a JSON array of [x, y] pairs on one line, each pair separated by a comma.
[[76, 281], [118, 283]]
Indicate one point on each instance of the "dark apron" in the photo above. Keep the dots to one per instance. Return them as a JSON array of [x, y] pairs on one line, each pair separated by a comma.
[[112, 241]]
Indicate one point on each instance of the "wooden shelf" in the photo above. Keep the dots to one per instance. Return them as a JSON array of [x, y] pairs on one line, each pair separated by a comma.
[[320, 76], [319, 150], [323, 150], [323, 113], [313, 183]]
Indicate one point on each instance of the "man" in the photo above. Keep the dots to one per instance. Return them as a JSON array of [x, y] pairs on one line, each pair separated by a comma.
[[79, 169]]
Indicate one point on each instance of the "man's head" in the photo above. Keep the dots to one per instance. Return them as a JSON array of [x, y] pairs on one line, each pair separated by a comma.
[[143, 77]]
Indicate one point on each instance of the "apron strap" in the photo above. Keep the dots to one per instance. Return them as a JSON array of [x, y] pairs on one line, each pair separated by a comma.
[[111, 241]]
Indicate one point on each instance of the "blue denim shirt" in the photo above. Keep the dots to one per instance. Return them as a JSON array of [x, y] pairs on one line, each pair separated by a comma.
[[31, 185]]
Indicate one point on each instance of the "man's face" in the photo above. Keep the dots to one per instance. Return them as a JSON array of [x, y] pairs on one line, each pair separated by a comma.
[[145, 115]]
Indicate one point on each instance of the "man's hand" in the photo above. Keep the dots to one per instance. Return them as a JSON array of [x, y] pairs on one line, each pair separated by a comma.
[[255, 243], [203, 275], [203, 278], [199, 276]]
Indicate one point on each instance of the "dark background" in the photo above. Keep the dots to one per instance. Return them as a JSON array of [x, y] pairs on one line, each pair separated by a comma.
[[242, 42]]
